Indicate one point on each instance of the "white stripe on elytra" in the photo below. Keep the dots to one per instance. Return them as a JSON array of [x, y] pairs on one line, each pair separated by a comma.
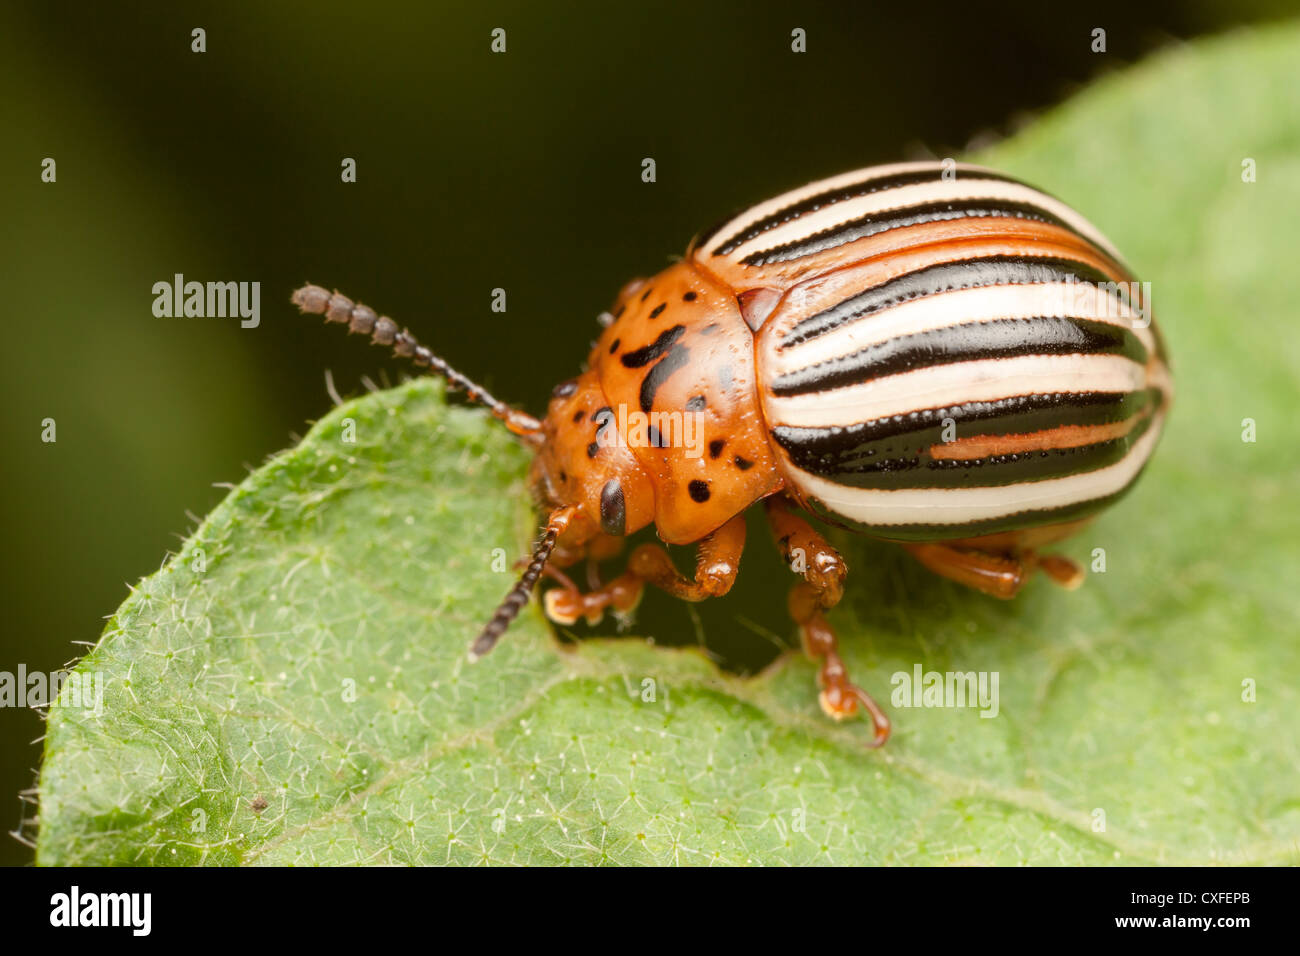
[[946, 309], [942, 386], [764, 209], [958, 506], [901, 197]]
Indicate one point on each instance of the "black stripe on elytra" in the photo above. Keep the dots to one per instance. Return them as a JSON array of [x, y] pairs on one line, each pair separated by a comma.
[[865, 187], [829, 452], [919, 470], [1016, 521], [917, 215], [639, 358], [968, 342], [946, 277]]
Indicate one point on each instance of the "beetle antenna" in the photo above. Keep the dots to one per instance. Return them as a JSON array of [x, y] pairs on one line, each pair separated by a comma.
[[515, 600], [384, 331]]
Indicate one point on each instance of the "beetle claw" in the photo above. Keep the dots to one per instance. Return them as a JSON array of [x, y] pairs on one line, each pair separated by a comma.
[[843, 700], [562, 606], [565, 606]]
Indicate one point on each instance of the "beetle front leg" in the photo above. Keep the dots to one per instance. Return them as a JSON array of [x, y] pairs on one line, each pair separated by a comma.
[[599, 548], [824, 571], [717, 562]]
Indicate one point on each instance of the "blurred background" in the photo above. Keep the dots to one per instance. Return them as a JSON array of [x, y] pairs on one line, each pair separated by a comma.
[[475, 171]]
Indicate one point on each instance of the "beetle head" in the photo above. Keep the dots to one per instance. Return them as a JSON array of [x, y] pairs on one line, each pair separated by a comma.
[[583, 461]]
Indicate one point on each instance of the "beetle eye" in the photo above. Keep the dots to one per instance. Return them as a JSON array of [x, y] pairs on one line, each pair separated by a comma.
[[613, 509], [565, 389]]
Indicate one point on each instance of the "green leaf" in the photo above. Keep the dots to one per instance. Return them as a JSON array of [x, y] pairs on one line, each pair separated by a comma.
[[299, 691]]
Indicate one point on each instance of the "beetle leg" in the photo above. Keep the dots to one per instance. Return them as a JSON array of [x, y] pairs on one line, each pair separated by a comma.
[[1001, 574], [564, 606], [594, 580], [823, 570], [1062, 570], [807, 552], [717, 562], [555, 574]]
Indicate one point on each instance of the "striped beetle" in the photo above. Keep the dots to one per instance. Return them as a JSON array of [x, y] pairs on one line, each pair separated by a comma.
[[939, 356]]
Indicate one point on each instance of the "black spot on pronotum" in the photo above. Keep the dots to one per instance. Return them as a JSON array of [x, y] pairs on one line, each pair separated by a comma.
[[689, 297], [613, 346], [647, 293], [744, 464], [678, 357], [696, 403], [613, 509], [665, 347], [593, 449], [565, 389], [618, 313], [579, 415], [715, 447], [699, 490], [564, 476], [658, 310], [638, 358]]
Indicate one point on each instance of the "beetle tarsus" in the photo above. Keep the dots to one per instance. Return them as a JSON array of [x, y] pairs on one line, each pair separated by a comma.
[[840, 698], [1064, 571], [566, 605]]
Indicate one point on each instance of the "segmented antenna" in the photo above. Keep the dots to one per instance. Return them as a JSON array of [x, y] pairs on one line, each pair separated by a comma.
[[361, 319], [518, 596]]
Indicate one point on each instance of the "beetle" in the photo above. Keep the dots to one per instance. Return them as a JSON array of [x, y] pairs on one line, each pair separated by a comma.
[[934, 354]]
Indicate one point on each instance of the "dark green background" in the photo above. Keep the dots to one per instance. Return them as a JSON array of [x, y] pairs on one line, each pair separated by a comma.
[[475, 171]]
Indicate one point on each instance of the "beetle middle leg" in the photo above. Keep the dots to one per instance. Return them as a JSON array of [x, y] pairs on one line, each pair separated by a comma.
[[717, 562], [1000, 564], [823, 571]]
